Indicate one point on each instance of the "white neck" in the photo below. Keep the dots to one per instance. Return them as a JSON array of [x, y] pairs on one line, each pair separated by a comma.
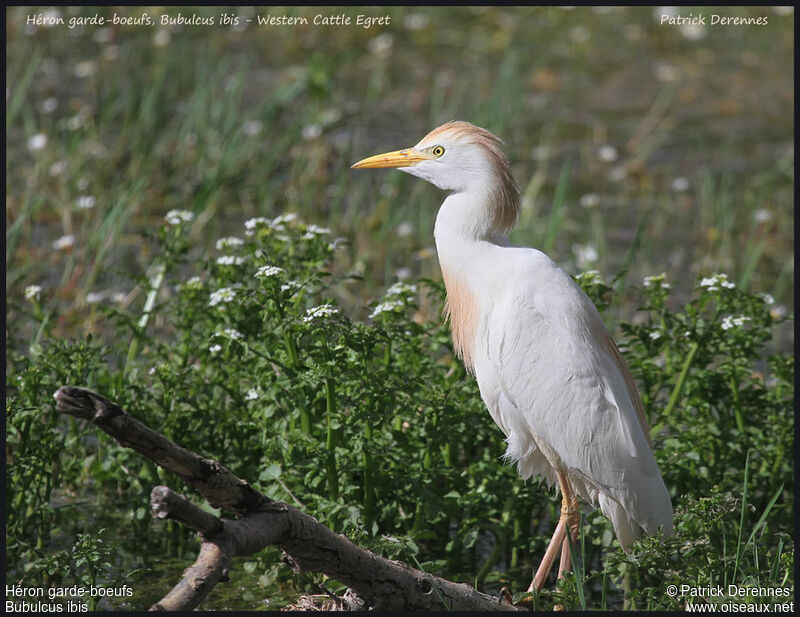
[[465, 234], [465, 219]]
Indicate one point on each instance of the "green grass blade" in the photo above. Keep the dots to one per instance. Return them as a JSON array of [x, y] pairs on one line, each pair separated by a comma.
[[739, 549]]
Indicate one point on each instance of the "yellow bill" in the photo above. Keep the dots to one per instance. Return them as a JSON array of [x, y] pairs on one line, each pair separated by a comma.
[[399, 158]]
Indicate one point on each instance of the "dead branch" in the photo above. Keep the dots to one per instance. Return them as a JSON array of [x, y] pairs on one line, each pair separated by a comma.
[[308, 545]]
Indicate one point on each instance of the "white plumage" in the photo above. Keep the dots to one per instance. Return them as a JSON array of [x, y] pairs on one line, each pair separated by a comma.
[[548, 370]]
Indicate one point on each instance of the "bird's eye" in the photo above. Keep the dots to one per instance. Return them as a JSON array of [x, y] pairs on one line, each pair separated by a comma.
[[437, 151]]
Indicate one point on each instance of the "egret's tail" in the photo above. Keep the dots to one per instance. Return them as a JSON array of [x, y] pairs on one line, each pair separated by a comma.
[[628, 529]]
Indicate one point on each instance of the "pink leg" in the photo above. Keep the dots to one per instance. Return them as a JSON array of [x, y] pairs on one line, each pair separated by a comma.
[[559, 541], [549, 556]]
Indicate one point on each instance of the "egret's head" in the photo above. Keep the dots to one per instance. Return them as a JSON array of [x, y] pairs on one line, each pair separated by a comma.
[[459, 156]]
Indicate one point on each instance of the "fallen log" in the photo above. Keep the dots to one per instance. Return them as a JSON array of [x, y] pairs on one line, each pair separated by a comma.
[[308, 546]]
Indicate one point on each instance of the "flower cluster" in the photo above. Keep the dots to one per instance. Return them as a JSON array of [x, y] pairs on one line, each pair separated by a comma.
[[733, 322], [64, 242], [656, 281], [396, 298], [85, 202], [279, 222], [268, 272], [590, 277], [33, 292], [716, 281], [176, 217], [402, 289], [316, 312], [388, 306], [230, 260], [225, 294], [224, 243], [251, 224], [193, 283], [312, 231], [291, 287], [230, 333]]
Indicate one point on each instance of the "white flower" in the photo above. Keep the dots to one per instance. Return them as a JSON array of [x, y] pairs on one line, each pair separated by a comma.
[[402, 290], [64, 242], [324, 310], [312, 131], [224, 243], [268, 271], [337, 243], [655, 335], [225, 294], [317, 230], [381, 45], [403, 273], [85, 202], [591, 276], [230, 260], [680, 184], [291, 286], [278, 222], [252, 127], [589, 201], [58, 168], [650, 281], [715, 281], [176, 217], [94, 297], [33, 292], [37, 142], [767, 298], [255, 221], [762, 215], [231, 333], [405, 229], [86, 68], [194, 283], [733, 322], [607, 153], [386, 307], [216, 348], [415, 21], [251, 395], [49, 105]]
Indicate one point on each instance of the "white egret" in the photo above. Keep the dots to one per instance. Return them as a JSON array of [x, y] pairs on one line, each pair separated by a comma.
[[547, 367]]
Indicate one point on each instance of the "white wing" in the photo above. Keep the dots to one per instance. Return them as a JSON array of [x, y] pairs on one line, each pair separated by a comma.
[[555, 383]]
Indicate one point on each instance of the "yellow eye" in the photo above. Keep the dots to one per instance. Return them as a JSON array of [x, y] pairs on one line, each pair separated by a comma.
[[437, 151]]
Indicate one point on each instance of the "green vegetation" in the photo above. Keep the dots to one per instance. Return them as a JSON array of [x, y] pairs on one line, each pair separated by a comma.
[[376, 430], [638, 148]]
